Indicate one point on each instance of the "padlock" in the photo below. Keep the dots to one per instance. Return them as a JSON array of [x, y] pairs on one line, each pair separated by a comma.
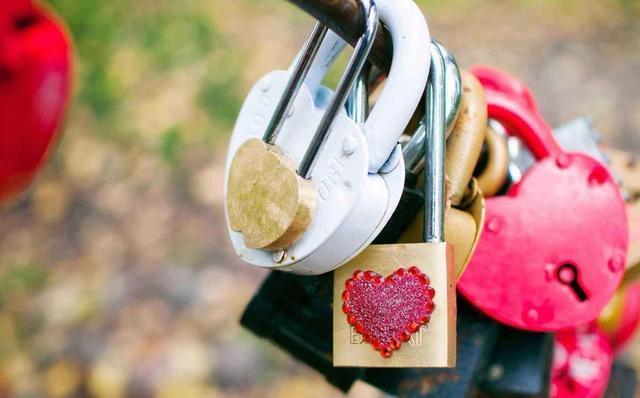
[[35, 75], [554, 249], [463, 224], [581, 364], [355, 196], [394, 305], [492, 172], [621, 317]]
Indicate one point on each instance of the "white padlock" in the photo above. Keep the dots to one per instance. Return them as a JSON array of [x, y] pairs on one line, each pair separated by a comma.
[[355, 199]]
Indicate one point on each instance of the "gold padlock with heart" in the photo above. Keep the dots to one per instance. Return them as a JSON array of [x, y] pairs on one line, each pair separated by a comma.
[[394, 305]]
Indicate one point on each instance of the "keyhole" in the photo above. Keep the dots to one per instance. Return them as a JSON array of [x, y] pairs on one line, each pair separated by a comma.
[[568, 275]]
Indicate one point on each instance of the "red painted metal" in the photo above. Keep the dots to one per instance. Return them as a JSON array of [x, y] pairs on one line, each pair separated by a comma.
[[35, 73], [582, 363], [497, 80], [566, 214]]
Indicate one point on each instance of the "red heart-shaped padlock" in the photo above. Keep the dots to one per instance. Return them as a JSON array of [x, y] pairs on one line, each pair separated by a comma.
[[35, 71], [553, 250], [582, 362], [387, 311]]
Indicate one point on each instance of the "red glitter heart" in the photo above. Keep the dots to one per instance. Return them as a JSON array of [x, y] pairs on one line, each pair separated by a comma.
[[387, 311]]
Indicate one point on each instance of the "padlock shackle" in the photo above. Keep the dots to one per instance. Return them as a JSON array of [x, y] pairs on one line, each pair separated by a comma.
[[522, 122], [358, 101], [434, 146], [299, 71], [406, 79], [497, 80], [413, 150], [347, 81]]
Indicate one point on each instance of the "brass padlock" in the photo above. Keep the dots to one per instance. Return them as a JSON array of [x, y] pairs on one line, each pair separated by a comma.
[[493, 174], [465, 222], [394, 305]]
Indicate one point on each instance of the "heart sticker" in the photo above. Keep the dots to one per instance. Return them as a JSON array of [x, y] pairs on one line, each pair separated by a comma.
[[386, 311]]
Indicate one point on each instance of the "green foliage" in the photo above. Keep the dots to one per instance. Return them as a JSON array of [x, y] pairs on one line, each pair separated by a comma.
[[93, 25], [220, 97], [171, 146], [21, 278], [174, 40]]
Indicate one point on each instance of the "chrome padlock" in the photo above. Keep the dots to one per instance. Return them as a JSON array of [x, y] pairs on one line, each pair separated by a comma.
[[355, 194]]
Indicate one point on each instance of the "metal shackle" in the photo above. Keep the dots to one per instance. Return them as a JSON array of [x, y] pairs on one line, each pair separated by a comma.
[[434, 147], [413, 150], [299, 73]]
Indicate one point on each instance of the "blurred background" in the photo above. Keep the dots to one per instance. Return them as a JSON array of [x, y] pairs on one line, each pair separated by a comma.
[[116, 274]]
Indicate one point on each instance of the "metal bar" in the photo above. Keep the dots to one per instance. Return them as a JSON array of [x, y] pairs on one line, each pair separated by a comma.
[[344, 18], [299, 72], [434, 180], [356, 63]]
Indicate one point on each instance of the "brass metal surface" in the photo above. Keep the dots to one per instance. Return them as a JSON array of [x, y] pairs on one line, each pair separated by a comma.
[[465, 142], [266, 199], [494, 174], [462, 228], [431, 346]]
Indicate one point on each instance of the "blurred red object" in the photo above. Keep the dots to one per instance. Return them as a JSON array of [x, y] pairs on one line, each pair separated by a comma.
[[582, 361], [35, 74]]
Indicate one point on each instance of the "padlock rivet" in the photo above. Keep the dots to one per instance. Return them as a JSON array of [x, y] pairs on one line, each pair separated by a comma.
[[493, 225], [265, 85], [616, 263], [279, 256], [549, 272], [532, 315], [349, 145], [563, 160]]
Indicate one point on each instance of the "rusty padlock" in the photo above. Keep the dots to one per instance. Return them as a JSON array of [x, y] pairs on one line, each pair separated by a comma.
[[35, 79], [465, 218], [582, 363], [553, 250]]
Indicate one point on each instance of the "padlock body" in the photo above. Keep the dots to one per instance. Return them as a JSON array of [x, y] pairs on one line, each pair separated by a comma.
[[340, 175], [567, 210]]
